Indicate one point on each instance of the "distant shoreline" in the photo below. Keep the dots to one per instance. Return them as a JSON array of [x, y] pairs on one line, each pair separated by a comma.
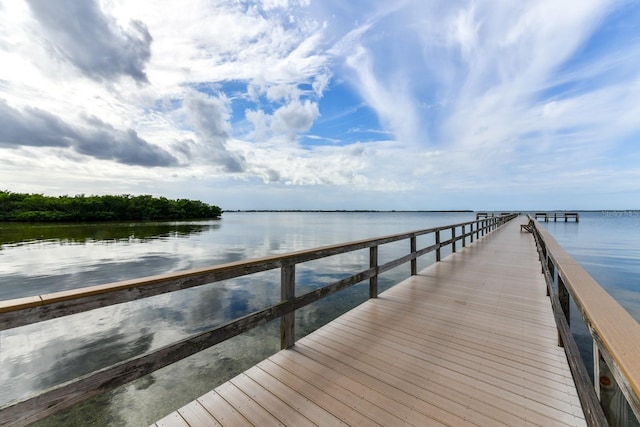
[[346, 210], [429, 211]]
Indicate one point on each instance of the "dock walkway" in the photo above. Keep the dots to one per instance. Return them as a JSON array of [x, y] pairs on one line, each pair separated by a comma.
[[468, 341]]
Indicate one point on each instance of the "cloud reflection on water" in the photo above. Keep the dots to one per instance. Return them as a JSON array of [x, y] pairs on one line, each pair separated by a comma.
[[101, 337]]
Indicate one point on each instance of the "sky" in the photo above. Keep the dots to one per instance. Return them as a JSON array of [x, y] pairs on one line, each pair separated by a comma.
[[325, 104]]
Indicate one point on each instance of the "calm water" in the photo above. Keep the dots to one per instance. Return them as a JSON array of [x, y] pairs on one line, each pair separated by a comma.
[[35, 259], [607, 245]]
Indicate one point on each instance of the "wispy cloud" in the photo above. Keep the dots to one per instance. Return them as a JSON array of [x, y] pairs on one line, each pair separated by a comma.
[[410, 101]]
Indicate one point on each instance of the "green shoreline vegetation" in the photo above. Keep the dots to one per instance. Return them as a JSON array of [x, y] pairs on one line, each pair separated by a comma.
[[21, 207]]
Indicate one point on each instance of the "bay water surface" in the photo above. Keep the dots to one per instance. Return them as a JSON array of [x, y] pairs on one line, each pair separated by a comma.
[[43, 258]]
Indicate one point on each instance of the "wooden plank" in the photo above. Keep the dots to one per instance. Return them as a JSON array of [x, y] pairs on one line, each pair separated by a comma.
[[172, 420], [196, 415], [429, 408], [351, 393], [397, 358], [467, 363], [242, 403], [434, 312], [319, 396], [437, 326], [308, 408], [222, 410], [369, 393], [16, 304], [278, 408]]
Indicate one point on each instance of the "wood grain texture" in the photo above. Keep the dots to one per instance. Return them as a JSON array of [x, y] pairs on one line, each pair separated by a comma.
[[614, 331], [469, 341]]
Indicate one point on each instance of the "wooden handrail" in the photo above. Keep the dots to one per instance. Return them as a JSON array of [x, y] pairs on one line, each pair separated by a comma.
[[24, 311], [28, 310], [616, 335]]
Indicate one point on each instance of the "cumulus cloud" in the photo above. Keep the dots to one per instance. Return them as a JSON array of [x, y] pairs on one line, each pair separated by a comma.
[[82, 34], [37, 128], [260, 122], [295, 117], [498, 90], [287, 121], [210, 118]]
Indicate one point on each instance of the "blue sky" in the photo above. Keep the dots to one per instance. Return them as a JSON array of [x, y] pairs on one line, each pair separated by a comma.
[[309, 104]]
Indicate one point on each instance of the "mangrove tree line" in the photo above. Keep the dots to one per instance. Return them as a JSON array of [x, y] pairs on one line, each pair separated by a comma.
[[37, 207]]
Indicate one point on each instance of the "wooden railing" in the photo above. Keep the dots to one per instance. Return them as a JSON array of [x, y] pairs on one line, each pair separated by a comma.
[[616, 335], [25, 311]]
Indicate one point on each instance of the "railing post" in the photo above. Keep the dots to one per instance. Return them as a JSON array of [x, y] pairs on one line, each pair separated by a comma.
[[471, 234], [545, 260], [287, 292], [373, 280], [414, 262], [453, 239], [437, 245], [464, 237], [596, 369], [563, 297], [612, 399]]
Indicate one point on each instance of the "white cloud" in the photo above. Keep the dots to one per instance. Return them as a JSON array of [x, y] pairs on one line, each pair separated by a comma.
[[390, 99], [79, 32], [295, 117], [468, 95], [210, 118]]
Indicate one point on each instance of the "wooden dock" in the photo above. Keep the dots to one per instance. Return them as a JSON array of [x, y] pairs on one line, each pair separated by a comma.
[[575, 216], [480, 338], [468, 341]]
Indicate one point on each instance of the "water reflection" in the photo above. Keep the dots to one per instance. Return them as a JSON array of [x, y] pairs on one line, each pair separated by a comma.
[[62, 349], [57, 257], [18, 233], [19, 284], [38, 356]]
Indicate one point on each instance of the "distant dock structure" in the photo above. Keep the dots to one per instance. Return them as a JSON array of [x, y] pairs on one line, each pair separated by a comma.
[[482, 215], [538, 215], [482, 333], [566, 215]]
